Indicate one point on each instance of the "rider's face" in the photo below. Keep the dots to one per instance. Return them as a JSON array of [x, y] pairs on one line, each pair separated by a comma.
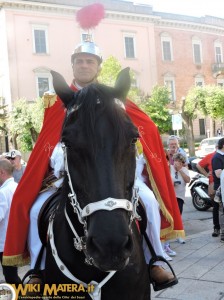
[[85, 69]]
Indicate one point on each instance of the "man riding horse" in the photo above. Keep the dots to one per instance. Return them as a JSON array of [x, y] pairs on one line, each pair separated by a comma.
[[86, 63]]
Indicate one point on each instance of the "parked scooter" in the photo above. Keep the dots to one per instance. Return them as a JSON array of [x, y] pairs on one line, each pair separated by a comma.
[[199, 192]]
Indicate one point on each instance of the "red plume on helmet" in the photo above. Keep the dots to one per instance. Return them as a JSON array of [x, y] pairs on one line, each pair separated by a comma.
[[90, 16]]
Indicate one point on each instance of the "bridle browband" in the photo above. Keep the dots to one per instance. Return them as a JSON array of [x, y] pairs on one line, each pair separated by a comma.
[[108, 204]]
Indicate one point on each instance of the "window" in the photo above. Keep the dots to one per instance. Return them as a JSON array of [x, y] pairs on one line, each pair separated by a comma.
[[170, 84], [220, 82], [167, 51], [43, 85], [197, 51], [199, 80], [43, 81], [202, 126], [218, 52], [218, 55], [129, 47], [40, 37]]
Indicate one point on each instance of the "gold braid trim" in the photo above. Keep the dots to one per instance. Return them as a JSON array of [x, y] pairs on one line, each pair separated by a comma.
[[169, 232], [49, 99], [16, 260]]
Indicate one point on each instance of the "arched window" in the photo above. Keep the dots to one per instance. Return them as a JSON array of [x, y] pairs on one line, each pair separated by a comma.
[[43, 80]]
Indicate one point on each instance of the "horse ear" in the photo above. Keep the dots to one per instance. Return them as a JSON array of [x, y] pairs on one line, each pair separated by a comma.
[[123, 84], [61, 88]]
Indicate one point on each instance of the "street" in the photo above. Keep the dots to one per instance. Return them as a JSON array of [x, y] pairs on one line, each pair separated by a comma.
[[195, 221]]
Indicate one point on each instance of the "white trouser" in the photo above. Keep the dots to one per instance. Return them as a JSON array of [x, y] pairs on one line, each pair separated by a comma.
[[153, 220], [34, 242]]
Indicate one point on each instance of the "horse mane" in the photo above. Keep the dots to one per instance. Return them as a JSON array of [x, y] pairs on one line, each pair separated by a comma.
[[99, 98]]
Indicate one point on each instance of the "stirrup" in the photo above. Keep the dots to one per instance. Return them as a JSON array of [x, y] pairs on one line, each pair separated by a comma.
[[33, 274], [163, 285]]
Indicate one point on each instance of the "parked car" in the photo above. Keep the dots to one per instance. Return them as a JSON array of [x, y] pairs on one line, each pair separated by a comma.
[[207, 146]]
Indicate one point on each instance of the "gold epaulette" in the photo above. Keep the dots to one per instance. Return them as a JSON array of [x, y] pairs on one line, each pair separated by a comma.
[[49, 99], [139, 148]]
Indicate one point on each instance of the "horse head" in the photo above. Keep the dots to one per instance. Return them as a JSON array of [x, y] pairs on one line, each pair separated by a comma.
[[99, 140]]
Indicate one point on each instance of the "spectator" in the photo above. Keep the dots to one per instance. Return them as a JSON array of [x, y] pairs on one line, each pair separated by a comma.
[[180, 177], [217, 167], [173, 147], [7, 189], [14, 156], [202, 166], [221, 216], [218, 132]]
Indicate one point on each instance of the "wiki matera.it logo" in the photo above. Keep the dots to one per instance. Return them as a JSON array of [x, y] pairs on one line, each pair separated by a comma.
[[7, 292]]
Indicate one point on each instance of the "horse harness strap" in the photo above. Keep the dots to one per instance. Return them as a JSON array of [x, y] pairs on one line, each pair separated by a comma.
[[80, 242], [96, 293], [105, 204]]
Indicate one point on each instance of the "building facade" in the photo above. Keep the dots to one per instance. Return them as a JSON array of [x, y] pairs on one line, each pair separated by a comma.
[[166, 49]]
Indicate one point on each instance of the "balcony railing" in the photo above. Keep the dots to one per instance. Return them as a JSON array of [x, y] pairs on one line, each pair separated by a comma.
[[218, 68]]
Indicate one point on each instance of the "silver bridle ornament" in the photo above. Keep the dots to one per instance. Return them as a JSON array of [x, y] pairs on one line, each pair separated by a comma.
[[108, 204]]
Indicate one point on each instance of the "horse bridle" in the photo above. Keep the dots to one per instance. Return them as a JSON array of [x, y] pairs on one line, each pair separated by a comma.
[[108, 204]]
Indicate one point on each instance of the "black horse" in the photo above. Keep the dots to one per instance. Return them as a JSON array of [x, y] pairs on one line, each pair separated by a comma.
[[93, 233]]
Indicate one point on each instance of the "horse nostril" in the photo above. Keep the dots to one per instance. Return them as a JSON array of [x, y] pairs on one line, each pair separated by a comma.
[[128, 244]]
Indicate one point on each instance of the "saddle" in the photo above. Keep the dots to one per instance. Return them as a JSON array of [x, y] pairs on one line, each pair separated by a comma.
[[43, 218]]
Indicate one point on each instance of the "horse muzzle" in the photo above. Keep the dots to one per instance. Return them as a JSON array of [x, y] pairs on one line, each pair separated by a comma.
[[109, 255]]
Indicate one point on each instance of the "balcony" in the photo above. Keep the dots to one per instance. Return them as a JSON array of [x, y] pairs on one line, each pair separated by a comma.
[[218, 68]]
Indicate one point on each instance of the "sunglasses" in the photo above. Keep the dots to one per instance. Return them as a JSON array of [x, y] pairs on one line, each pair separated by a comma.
[[11, 158], [176, 175]]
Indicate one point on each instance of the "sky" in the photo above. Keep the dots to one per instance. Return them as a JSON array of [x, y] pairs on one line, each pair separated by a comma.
[[197, 8]]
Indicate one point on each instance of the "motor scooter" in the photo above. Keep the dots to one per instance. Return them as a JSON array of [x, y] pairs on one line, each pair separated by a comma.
[[199, 192]]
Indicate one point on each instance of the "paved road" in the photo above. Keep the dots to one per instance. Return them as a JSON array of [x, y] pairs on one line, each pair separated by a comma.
[[199, 264]]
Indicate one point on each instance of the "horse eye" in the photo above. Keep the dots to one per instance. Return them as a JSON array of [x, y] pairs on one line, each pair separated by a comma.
[[134, 141]]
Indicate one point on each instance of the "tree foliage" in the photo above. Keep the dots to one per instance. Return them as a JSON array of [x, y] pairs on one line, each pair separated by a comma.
[[156, 106], [207, 100], [110, 69], [25, 121]]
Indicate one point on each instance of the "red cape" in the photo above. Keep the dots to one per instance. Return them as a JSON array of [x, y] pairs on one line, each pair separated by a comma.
[[158, 172], [15, 252]]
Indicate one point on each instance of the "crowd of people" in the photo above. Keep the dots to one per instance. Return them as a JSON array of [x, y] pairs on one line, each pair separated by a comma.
[[161, 182]]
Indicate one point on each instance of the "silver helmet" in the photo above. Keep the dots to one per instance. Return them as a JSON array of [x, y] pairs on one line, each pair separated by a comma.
[[88, 47]]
